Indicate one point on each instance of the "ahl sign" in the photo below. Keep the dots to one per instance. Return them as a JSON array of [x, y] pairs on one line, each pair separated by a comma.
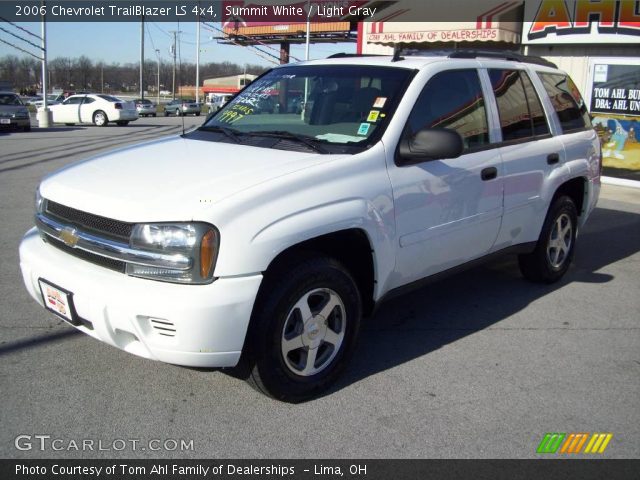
[[582, 21]]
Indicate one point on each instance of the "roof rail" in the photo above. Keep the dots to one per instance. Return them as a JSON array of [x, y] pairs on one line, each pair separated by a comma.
[[354, 55], [513, 56]]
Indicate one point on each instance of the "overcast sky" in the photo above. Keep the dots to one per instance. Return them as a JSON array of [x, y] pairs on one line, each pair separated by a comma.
[[120, 42]]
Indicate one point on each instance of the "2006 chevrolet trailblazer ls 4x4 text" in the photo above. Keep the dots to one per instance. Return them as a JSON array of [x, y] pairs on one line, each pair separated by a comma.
[[270, 231]]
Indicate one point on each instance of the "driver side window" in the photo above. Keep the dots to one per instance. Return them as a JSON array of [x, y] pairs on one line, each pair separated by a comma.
[[73, 101], [452, 100]]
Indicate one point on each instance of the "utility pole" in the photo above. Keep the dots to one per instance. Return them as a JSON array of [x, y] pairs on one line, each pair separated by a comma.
[[198, 59], [158, 55], [142, 57], [174, 53]]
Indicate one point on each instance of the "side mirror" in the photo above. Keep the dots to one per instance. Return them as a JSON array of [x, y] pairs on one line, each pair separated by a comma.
[[429, 144]]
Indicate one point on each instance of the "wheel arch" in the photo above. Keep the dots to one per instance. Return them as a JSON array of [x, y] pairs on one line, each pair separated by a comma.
[[575, 188], [351, 247]]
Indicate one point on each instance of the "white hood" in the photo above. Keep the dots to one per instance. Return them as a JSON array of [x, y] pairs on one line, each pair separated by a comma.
[[170, 179]]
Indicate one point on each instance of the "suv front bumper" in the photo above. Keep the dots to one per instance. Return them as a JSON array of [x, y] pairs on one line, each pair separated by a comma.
[[191, 325]]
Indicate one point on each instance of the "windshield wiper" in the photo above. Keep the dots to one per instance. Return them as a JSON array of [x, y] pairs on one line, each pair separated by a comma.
[[228, 132], [304, 139]]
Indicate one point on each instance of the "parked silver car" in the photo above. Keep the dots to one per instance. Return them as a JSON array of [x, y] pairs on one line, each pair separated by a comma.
[[182, 107], [145, 107], [13, 113]]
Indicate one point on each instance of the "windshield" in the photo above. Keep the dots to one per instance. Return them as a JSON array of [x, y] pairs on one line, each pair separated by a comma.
[[330, 104], [9, 99]]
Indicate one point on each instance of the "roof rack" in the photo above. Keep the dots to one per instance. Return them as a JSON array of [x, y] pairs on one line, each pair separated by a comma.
[[513, 56], [354, 55]]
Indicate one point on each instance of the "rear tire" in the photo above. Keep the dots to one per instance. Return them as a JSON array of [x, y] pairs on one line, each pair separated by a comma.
[[556, 245], [122, 123], [100, 118], [26, 128], [70, 124], [166, 114], [303, 329]]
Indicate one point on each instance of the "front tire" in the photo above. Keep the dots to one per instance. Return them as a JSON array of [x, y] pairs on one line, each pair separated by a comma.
[[304, 328], [556, 245], [100, 119]]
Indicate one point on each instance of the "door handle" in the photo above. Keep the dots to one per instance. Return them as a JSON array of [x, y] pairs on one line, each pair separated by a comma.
[[489, 173], [553, 158]]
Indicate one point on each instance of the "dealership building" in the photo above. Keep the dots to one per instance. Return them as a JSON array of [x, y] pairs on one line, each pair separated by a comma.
[[598, 44]]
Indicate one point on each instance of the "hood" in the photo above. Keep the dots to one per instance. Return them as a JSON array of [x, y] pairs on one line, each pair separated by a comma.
[[169, 180]]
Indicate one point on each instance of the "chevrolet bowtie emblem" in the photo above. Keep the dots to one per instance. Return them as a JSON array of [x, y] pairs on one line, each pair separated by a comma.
[[69, 236]]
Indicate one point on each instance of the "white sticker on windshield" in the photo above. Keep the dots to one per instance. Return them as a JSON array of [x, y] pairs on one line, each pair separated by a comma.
[[379, 102]]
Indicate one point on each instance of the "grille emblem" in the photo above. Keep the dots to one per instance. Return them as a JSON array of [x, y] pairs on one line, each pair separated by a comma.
[[69, 236]]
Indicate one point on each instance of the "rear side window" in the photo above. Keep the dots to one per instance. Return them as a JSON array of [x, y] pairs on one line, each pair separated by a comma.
[[566, 101], [453, 100], [519, 108]]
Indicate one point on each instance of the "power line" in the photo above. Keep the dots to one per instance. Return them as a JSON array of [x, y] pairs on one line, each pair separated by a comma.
[[20, 28], [166, 33], [20, 38], [21, 49]]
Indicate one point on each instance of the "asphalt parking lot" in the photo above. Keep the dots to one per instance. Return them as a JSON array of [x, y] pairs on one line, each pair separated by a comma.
[[480, 365]]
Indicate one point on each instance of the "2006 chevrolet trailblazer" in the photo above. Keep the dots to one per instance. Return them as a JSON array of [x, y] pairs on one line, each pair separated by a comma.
[[270, 231]]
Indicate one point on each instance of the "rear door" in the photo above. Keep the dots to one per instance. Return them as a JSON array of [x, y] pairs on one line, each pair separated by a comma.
[[448, 211], [530, 155]]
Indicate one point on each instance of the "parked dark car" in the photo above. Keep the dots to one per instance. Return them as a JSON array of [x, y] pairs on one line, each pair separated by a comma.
[[13, 113]]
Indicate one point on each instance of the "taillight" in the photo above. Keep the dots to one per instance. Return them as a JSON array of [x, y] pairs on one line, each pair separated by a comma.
[[118, 106]]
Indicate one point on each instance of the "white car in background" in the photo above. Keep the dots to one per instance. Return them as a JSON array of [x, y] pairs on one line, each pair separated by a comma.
[[98, 109]]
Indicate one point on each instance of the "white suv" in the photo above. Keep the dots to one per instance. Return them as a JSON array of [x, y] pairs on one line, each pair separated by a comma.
[[261, 239]]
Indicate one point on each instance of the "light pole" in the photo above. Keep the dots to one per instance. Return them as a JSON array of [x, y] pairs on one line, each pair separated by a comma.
[[198, 60], [158, 55], [44, 114]]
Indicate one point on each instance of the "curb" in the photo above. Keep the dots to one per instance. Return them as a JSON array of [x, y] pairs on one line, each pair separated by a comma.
[[620, 182]]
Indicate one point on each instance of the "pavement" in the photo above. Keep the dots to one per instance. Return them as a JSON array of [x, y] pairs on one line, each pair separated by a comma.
[[480, 365]]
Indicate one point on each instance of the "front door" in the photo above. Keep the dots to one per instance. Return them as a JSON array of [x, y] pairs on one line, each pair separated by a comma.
[[447, 211]]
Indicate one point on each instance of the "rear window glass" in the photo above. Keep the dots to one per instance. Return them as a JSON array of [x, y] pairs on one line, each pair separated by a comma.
[[567, 102]]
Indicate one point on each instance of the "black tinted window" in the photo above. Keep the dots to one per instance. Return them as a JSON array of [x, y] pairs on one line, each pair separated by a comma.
[[453, 100], [516, 121], [566, 101], [538, 119]]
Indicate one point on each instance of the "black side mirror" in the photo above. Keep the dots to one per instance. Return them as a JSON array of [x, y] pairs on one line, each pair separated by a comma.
[[429, 144]]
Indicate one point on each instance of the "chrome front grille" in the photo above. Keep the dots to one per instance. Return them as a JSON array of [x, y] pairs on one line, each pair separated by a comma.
[[89, 222]]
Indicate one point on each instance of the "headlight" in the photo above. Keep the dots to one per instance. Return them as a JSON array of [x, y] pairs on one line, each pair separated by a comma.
[[198, 241], [39, 201]]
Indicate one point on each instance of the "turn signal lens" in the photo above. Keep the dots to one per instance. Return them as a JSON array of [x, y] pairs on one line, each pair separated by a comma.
[[207, 253]]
